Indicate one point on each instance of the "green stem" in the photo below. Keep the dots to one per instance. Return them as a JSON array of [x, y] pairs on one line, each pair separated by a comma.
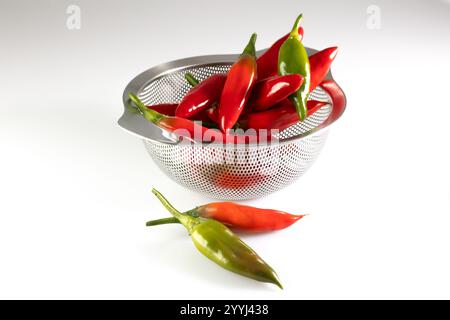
[[162, 221], [149, 114], [250, 48], [187, 221], [191, 79], [294, 31]]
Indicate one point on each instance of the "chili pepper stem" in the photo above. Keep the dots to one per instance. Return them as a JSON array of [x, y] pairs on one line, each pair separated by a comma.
[[161, 221], [191, 79], [187, 221], [294, 31], [150, 115]]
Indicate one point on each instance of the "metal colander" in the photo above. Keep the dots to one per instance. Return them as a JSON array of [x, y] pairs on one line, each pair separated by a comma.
[[229, 172]]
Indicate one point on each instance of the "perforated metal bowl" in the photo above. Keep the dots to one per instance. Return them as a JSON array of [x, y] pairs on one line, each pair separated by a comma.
[[231, 172]]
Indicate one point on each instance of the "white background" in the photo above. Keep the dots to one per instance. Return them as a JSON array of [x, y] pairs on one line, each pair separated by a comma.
[[75, 188]]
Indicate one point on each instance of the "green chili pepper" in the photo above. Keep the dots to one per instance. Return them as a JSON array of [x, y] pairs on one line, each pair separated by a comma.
[[293, 59], [219, 244]]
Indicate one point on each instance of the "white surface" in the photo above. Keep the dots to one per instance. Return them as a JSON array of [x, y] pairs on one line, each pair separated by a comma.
[[75, 189]]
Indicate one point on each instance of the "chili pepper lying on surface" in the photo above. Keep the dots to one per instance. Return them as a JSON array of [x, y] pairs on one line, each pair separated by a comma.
[[202, 96], [268, 92], [293, 59], [268, 61], [219, 244], [244, 218], [237, 88], [320, 63], [280, 117]]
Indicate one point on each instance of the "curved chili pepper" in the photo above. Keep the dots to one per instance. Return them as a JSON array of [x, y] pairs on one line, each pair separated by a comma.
[[268, 61], [337, 96], [320, 63], [284, 116], [183, 127], [167, 109], [237, 88], [192, 131], [268, 92], [280, 117], [219, 244], [202, 96], [293, 59], [245, 218]]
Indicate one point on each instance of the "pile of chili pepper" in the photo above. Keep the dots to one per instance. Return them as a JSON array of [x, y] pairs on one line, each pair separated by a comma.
[[210, 227], [266, 93]]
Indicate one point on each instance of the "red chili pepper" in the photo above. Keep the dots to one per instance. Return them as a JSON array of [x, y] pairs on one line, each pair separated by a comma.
[[236, 91], [270, 91], [209, 114], [190, 130], [183, 127], [320, 63], [244, 218], [268, 62], [167, 109], [235, 181], [280, 117], [202, 96], [337, 96]]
